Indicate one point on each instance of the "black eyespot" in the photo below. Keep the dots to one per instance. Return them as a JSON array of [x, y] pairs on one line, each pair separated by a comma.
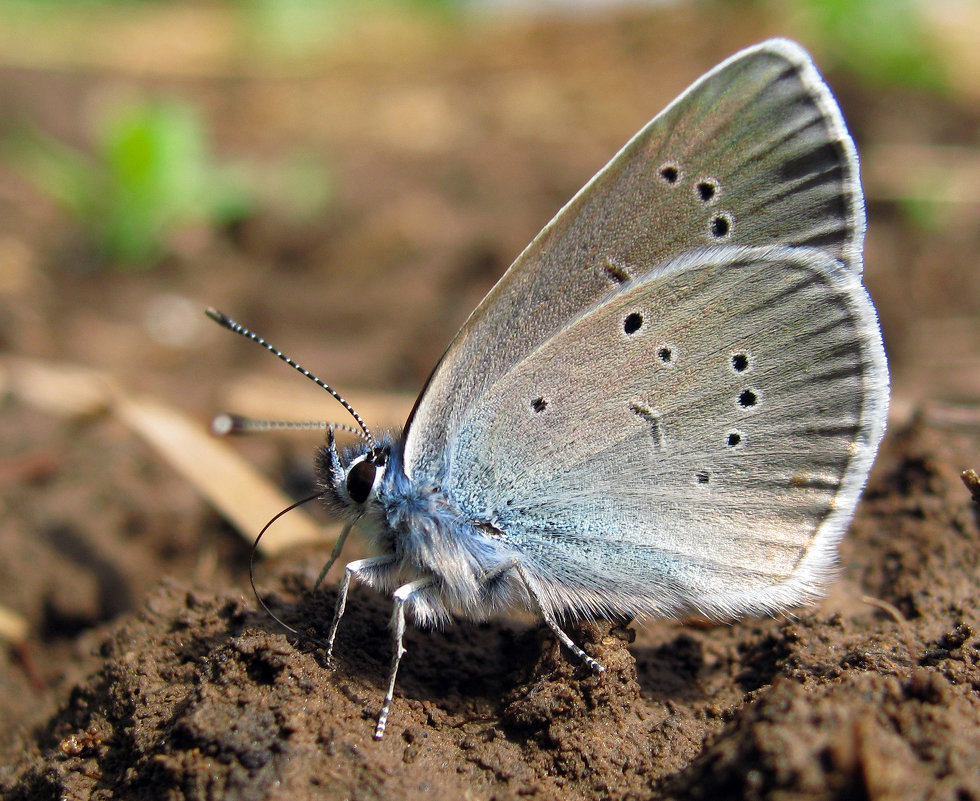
[[721, 226], [740, 362], [703, 477], [665, 355], [360, 480], [747, 398], [539, 404], [707, 190], [670, 173], [734, 439], [632, 323]]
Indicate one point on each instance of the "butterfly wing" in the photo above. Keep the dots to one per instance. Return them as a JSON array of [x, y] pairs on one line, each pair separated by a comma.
[[696, 441], [756, 152]]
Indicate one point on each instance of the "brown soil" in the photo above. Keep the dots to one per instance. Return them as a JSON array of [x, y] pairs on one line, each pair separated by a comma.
[[150, 674]]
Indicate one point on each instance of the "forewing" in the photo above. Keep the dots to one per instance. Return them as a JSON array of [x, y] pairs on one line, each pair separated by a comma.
[[754, 153], [698, 441]]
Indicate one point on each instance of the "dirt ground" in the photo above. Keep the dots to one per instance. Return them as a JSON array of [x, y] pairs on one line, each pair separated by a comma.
[[150, 673]]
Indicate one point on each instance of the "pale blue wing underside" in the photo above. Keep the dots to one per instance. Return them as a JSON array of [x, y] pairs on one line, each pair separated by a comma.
[[697, 441], [756, 152]]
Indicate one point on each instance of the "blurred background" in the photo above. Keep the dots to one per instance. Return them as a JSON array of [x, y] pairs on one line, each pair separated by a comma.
[[349, 179]]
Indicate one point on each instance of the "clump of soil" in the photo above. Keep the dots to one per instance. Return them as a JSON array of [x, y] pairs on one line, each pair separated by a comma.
[[198, 696]]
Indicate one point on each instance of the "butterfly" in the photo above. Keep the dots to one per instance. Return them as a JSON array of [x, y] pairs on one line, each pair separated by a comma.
[[668, 405]]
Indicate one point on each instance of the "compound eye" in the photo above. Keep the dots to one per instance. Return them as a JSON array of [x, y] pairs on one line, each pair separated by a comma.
[[360, 480]]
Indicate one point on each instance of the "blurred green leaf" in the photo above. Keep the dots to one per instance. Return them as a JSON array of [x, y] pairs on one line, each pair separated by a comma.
[[290, 28], [152, 174], [879, 41], [157, 176], [294, 29]]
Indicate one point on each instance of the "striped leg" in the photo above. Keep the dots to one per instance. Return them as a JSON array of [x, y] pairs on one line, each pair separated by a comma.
[[361, 568], [401, 596], [337, 548], [553, 625]]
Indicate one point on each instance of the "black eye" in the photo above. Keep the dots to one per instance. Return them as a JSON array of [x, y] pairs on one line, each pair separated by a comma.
[[360, 480]]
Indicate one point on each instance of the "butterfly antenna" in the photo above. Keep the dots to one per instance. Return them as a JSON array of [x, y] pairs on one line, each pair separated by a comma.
[[238, 328], [227, 424]]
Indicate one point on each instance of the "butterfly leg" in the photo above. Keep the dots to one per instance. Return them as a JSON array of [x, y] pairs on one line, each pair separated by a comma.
[[359, 568], [337, 548], [401, 596], [596, 666]]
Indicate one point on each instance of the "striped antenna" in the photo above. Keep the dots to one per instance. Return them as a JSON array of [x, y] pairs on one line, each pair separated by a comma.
[[227, 424], [238, 328]]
